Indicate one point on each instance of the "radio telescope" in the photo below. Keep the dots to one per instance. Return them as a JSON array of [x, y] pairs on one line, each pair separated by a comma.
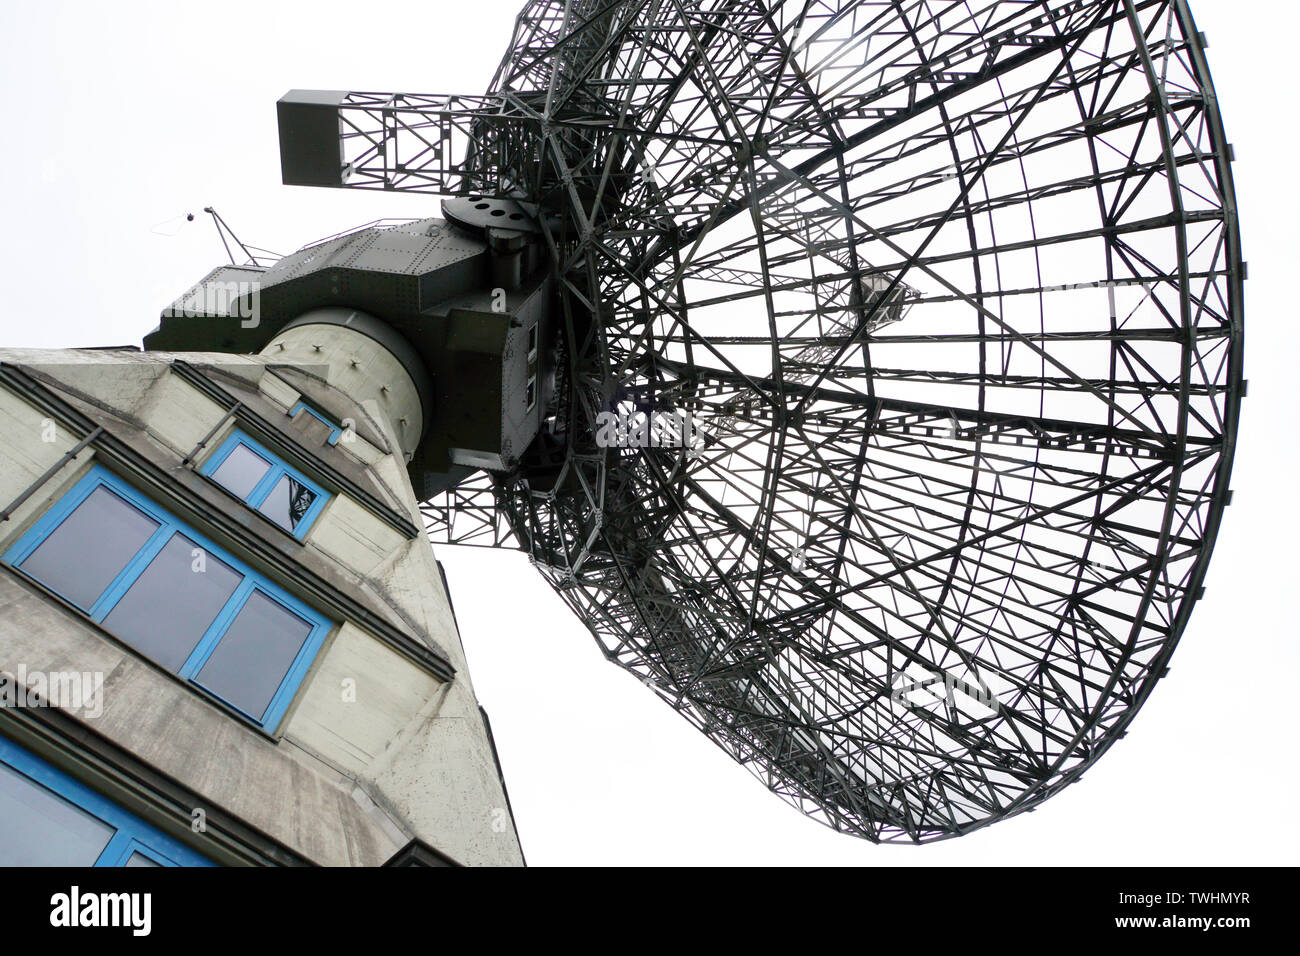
[[945, 298]]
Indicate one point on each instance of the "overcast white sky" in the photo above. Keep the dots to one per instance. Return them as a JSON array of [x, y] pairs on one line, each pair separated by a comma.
[[122, 116]]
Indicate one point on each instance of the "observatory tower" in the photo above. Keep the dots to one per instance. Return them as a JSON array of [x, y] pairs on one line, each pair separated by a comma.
[[225, 636]]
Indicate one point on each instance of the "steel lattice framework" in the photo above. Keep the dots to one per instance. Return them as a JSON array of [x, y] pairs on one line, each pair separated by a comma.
[[954, 290]]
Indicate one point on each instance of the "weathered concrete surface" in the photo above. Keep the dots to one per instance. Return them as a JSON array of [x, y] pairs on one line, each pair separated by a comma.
[[374, 750], [149, 712], [361, 368]]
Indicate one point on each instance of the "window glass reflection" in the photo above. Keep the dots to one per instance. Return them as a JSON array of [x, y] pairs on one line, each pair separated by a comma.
[[173, 602], [254, 655], [83, 555], [287, 503], [40, 828], [241, 470]]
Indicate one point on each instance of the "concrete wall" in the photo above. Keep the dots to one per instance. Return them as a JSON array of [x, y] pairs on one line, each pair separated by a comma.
[[375, 748]]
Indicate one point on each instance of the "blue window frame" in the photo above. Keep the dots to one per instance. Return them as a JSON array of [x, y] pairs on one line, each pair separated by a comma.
[[336, 431], [159, 586], [263, 481], [49, 819]]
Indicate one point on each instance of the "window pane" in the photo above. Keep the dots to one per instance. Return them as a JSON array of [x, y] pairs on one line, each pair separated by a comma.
[[139, 859], [241, 471], [287, 503], [254, 655], [40, 828], [172, 603], [82, 555]]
